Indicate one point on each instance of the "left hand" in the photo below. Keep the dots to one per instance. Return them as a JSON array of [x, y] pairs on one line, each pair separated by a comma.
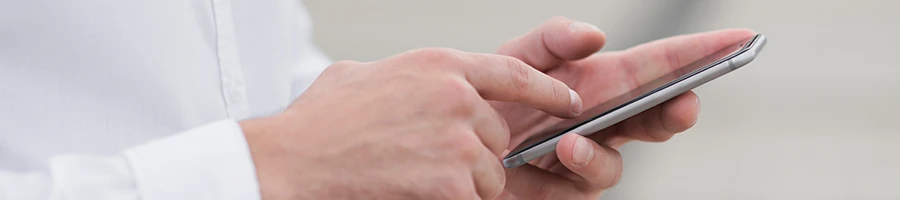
[[583, 167]]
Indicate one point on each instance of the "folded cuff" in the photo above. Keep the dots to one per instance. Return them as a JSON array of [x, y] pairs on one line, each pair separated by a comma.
[[208, 162]]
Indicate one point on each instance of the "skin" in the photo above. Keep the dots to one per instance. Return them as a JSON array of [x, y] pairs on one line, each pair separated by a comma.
[[417, 125], [434, 123], [565, 49]]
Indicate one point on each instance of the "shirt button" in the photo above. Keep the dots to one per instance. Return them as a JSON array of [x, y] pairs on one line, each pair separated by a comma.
[[236, 95], [237, 83]]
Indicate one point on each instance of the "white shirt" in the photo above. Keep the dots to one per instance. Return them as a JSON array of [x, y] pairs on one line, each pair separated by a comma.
[[138, 99]]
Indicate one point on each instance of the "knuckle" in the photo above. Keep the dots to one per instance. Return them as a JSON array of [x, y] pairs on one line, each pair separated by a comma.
[[560, 95], [461, 144], [468, 147], [505, 135], [499, 133], [654, 134], [519, 74], [435, 55], [460, 96], [500, 173]]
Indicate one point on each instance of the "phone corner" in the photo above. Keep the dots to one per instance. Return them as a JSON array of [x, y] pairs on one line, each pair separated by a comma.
[[514, 161], [750, 54]]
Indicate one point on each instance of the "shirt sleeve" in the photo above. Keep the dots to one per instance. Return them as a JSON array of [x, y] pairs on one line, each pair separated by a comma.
[[209, 162]]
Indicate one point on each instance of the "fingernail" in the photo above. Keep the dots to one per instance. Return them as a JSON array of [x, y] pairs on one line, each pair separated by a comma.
[[583, 152], [581, 26], [576, 102], [696, 102]]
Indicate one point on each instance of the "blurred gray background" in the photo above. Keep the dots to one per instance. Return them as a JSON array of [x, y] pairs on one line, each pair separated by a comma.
[[815, 117]]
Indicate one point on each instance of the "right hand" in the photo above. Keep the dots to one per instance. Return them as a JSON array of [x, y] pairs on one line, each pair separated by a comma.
[[413, 126]]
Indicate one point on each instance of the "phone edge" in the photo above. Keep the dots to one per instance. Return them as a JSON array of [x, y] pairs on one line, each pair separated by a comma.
[[643, 104]]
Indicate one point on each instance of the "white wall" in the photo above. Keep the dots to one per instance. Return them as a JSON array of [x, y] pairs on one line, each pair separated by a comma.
[[815, 117]]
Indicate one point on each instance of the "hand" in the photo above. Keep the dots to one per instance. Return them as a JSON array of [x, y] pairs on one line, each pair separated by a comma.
[[582, 167], [411, 126]]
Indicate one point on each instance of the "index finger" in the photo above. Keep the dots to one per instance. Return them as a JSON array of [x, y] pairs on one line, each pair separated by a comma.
[[504, 78], [650, 60]]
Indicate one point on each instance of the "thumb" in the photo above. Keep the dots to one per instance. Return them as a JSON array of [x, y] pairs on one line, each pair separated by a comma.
[[558, 39], [589, 163]]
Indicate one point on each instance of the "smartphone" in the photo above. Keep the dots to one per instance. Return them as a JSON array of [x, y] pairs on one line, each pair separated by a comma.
[[641, 98]]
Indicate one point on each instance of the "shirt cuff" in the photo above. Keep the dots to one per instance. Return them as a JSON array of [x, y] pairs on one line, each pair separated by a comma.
[[209, 162]]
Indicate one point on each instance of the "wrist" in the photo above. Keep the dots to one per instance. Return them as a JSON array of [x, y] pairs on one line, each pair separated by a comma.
[[262, 139]]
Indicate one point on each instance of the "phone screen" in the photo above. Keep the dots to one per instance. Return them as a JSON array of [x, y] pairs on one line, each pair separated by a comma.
[[635, 94]]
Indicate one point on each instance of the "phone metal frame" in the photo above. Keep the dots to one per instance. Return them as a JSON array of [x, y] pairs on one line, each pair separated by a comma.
[[682, 84]]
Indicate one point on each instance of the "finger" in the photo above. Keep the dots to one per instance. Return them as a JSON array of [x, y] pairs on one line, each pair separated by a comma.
[[491, 128], [558, 39], [505, 78], [488, 175], [657, 124], [530, 182], [597, 167], [648, 61]]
